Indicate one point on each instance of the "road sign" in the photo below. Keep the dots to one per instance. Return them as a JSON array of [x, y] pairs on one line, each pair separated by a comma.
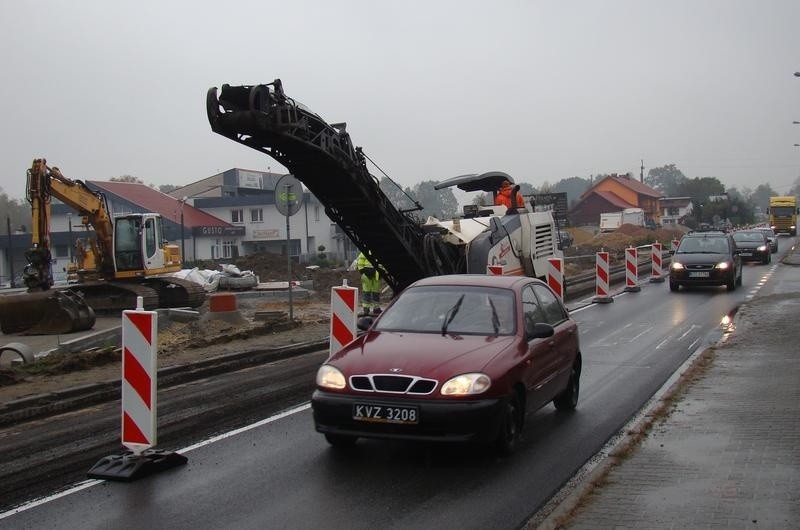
[[288, 195]]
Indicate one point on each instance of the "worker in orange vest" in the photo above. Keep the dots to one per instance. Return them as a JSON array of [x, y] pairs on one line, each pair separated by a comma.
[[503, 197]]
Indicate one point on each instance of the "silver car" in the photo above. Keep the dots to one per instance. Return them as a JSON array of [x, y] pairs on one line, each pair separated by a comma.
[[771, 237]]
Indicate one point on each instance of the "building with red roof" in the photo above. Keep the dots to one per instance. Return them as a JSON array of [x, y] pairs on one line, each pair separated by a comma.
[[615, 193]]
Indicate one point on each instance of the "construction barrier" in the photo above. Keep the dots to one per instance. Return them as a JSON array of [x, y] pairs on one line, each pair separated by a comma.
[[656, 256], [139, 383], [343, 316], [555, 276], [139, 346], [602, 291], [674, 246], [632, 270], [494, 270]]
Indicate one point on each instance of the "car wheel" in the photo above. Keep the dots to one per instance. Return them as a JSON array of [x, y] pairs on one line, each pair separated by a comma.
[[341, 440], [731, 284], [510, 426], [674, 286], [568, 399], [739, 278]]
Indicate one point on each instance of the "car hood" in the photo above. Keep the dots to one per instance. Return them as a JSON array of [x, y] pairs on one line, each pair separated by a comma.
[[749, 245], [430, 355], [696, 259]]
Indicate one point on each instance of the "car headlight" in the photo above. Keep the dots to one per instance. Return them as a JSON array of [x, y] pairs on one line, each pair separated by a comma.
[[722, 265], [762, 248], [676, 266], [330, 377], [466, 384]]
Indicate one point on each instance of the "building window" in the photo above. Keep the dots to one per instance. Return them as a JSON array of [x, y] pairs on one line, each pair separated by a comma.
[[316, 213], [229, 249], [237, 216], [256, 215], [672, 211]]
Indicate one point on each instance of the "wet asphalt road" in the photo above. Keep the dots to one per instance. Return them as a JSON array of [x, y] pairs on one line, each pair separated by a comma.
[[282, 474]]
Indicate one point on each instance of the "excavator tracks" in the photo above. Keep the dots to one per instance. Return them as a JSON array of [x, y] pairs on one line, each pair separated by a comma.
[[156, 293]]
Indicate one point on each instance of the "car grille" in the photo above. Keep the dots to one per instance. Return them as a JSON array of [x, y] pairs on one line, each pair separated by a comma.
[[396, 384], [701, 267]]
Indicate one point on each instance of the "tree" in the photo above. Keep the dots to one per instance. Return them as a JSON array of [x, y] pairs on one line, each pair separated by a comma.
[[166, 188], [574, 187], [127, 178], [760, 196], [16, 210], [666, 179], [438, 203], [795, 189]]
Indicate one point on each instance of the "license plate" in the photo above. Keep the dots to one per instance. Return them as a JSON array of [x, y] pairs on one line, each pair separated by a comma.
[[698, 274], [746, 254], [385, 413]]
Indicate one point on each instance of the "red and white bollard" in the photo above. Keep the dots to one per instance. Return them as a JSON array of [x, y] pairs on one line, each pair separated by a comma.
[[555, 276], [602, 291], [139, 347], [139, 384], [632, 270], [344, 300], [657, 274], [494, 270], [674, 245]]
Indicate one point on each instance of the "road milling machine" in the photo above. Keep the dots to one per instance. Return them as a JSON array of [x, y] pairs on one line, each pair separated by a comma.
[[402, 247], [127, 257]]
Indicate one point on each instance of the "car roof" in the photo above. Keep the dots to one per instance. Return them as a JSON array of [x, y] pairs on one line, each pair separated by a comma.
[[706, 233], [475, 280]]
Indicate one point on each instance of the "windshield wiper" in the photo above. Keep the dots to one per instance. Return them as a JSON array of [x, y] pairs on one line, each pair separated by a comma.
[[451, 314], [495, 318]]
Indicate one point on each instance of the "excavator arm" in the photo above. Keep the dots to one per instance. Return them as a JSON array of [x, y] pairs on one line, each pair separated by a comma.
[[43, 184], [323, 158]]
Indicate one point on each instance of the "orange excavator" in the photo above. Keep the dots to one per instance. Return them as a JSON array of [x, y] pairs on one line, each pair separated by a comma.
[[127, 258]]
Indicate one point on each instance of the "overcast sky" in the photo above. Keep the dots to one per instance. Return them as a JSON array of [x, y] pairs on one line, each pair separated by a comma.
[[430, 90]]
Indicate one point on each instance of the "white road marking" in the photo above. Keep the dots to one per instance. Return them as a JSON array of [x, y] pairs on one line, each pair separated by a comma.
[[642, 333], [662, 343], [89, 483]]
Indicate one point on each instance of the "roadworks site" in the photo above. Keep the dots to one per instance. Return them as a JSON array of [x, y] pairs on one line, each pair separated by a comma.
[[262, 320]]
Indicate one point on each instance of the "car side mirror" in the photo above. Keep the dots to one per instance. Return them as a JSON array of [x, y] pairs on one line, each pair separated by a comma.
[[541, 330], [364, 323]]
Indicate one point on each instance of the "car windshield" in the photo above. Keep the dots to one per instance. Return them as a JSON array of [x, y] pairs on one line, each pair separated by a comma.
[[748, 236], [709, 245], [456, 310], [768, 232]]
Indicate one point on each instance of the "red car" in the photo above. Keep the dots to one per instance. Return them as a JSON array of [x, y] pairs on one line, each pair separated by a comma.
[[453, 358]]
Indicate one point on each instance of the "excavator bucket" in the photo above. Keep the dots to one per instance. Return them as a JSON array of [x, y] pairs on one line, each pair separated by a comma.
[[45, 313]]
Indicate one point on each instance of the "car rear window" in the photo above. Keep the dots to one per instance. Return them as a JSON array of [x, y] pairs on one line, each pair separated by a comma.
[[454, 309]]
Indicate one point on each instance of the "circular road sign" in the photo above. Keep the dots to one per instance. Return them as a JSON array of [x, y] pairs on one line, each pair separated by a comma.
[[288, 195]]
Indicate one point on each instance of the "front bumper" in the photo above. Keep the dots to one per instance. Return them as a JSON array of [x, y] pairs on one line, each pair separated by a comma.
[[441, 420], [715, 277], [755, 255]]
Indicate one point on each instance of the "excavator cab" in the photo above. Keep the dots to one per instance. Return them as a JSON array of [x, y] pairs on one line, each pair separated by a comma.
[[139, 246]]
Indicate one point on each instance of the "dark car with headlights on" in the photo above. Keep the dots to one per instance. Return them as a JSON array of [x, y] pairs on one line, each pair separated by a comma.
[[753, 245], [772, 237], [706, 258], [459, 358]]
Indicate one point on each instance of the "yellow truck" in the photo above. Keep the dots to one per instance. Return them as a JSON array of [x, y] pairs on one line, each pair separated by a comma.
[[783, 214]]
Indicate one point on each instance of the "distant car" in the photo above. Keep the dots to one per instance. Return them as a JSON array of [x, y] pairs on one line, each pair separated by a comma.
[[565, 238], [459, 358], [706, 258], [771, 237], [753, 245]]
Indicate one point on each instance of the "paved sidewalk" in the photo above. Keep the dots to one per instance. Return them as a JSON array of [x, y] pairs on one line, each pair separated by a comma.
[[727, 454]]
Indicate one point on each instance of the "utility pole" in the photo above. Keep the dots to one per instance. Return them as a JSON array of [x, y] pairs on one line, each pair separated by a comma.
[[641, 173], [10, 253]]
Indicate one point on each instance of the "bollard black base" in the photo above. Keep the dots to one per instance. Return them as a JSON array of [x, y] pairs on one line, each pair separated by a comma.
[[632, 289], [603, 300], [657, 279], [128, 467]]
